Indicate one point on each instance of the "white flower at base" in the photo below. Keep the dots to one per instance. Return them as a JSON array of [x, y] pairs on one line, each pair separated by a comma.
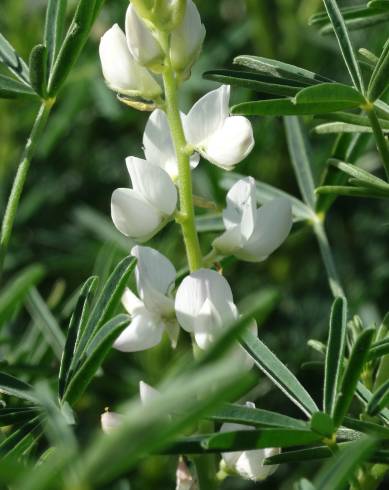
[[158, 144], [110, 421], [153, 312], [221, 139], [187, 40], [144, 47], [253, 234], [205, 307], [121, 72], [249, 464], [142, 211]]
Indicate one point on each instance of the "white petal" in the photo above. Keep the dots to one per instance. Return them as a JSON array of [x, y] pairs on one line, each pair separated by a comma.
[[153, 184], [229, 242], [231, 458], [120, 70], [241, 206], [187, 39], [207, 116], [230, 144], [110, 421], [250, 464], [194, 291], [272, 226], [143, 46], [143, 333], [132, 215], [208, 325], [155, 277], [132, 303], [147, 393]]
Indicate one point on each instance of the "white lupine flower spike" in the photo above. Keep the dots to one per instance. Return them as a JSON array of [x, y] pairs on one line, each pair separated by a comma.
[[221, 139], [252, 234], [249, 464], [121, 72], [153, 312], [142, 211]]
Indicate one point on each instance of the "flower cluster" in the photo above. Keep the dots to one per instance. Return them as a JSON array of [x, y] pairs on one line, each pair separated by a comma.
[[160, 44]]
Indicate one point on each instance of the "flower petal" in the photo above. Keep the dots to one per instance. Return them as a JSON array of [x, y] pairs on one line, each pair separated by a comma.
[[208, 325], [230, 144], [241, 206], [143, 333], [229, 242], [110, 421], [132, 303], [208, 115], [132, 215], [153, 184], [250, 464], [147, 393]]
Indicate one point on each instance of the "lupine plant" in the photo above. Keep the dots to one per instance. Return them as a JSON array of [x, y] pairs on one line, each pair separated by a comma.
[[206, 413]]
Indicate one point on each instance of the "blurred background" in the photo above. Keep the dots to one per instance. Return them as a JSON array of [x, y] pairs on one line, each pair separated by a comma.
[[64, 218]]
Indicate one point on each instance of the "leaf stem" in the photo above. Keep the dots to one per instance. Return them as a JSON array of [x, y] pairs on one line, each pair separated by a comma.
[[382, 145], [20, 177], [187, 215]]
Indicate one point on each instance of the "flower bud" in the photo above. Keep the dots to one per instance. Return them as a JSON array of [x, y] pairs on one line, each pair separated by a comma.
[[165, 15], [121, 72], [110, 421], [143, 46], [187, 40]]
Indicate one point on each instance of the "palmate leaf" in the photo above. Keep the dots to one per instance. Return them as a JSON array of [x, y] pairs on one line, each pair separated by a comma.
[[12, 89], [13, 61]]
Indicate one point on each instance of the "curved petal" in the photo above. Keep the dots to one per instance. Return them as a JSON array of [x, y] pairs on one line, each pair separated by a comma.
[[229, 242], [132, 215], [153, 184], [272, 225], [231, 458], [147, 393], [143, 333], [110, 421], [230, 144], [241, 207], [208, 325], [132, 303], [155, 277], [250, 464], [195, 290], [207, 116]]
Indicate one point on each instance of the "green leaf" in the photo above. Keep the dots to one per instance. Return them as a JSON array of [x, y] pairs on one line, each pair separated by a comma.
[[353, 119], [259, 83], [330, 96], [93, 357], [379, 349], [279, 69], [305, 454], [340, 127], [12, 416], [17, 289], [369, 428], [299, 155], [340, 190], [344, 41], [379, 400], [304, 484], [363, 177], [38, 69], [352, 374], [241, 414], [54, 28], [206, 223], [365, 396], [73, 44], [12, 89], [379, 4], [14, 387], [321, 423], [341, 467], [335, 353], [21, 439], [379, 81], [278, 373], [76, 324], [13, 61]]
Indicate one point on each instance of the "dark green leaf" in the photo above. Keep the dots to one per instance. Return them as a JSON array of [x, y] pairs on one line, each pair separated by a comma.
[[364, 178], [379, 400], [12, 416], [353, 119], [379, 4], [379, 349], [328, 95], [352, 374], [13, 61], [365, 396], [93, 357], [305, 454], [348, 13], [339, 470], [322, 424], [21, 439], [14, 387], [344, 41], [54, 28], [379, 81], [369, 428], [38, 70], [12, 89], [259, 83], [76, 322], [340, 190], [335, 354], [278, 373], [279, 69], [241, 414]]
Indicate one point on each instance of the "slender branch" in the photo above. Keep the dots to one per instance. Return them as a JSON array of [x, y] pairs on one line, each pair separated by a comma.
[[381, 142], [20, 178]]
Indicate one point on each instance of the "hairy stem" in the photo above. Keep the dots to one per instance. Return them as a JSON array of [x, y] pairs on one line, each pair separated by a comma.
[[187, 218], [381, 142], [20, 178]]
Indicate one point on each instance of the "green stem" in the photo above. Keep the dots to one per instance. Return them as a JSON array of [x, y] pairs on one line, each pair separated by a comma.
[[187, 218], [382, 145], [20, 178]]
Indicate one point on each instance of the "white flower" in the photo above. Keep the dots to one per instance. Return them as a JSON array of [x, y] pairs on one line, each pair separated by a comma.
[[205, 307], [143, 45], [140, 212], [253, 234], [249, 464], [187, 40], [121, 72], [147, 393], [110, 421], [158, 144], [220, 138], [153, 312]]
